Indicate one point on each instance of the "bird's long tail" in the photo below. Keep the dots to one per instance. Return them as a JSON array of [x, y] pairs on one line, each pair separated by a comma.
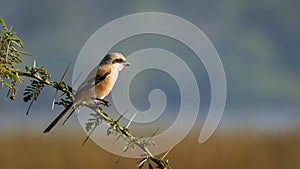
[[59, 117]]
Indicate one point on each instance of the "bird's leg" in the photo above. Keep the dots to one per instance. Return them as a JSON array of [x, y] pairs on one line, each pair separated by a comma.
[[103, 102]]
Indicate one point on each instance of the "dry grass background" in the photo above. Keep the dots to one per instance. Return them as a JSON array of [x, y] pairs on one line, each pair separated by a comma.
[[222, 151]]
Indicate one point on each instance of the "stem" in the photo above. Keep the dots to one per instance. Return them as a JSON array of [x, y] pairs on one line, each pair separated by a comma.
[[37, 77], [123, 130]]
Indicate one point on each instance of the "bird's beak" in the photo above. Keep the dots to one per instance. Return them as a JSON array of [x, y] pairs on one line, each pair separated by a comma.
[[126, 63]]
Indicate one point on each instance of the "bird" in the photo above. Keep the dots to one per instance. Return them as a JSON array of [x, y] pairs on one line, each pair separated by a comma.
[[97, 85]]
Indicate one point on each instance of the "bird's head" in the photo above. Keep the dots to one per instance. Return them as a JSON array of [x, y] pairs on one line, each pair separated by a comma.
[[116, 59]]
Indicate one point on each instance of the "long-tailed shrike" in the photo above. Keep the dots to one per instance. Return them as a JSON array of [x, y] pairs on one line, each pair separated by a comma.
[[97, 85]]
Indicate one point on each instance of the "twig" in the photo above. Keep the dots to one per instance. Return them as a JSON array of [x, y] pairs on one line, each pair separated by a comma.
[[131, 120], [61, 80]]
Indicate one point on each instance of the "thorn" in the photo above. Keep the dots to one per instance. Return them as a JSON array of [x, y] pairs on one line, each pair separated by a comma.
[[27, 112], [87, 138], [131, 119], [67, 69], [117, 139], [77, 113], [153, 134], [141, 162], [53, 103], [166, 153], [76, 79], [119, 158], [121, 116], [10, 29], [61, 79], [24, 53]]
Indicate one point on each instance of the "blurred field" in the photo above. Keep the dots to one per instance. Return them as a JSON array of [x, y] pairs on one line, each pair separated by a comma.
[[230, 151]]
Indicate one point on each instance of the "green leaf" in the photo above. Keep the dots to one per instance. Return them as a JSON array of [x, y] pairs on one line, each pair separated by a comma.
[[6, 84], [8, 74], [16, 40], [3, 24], [13, 76]]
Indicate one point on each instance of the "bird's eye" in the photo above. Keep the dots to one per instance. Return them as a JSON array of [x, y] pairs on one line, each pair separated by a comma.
[[118, 60]]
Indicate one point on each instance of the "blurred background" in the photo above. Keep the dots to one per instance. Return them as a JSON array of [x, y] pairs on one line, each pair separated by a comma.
[[257, 41]]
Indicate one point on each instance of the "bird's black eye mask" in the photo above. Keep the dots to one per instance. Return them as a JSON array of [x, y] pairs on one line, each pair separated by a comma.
[[117, 61]]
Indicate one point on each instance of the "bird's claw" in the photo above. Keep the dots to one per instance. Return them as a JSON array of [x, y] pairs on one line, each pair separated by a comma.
[[102, 102]]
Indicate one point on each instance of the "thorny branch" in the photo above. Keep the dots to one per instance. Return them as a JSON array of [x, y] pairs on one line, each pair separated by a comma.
[[39, 78]]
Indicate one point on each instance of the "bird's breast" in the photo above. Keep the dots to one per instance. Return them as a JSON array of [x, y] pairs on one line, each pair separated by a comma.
[[103, 88]]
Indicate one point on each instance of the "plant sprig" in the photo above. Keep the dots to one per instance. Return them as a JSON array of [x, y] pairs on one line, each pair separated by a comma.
[[40, 78], [131, 141], [9, 57]]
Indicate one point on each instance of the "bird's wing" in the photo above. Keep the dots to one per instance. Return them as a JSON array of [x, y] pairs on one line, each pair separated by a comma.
[[101, 77], [96, 76]]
